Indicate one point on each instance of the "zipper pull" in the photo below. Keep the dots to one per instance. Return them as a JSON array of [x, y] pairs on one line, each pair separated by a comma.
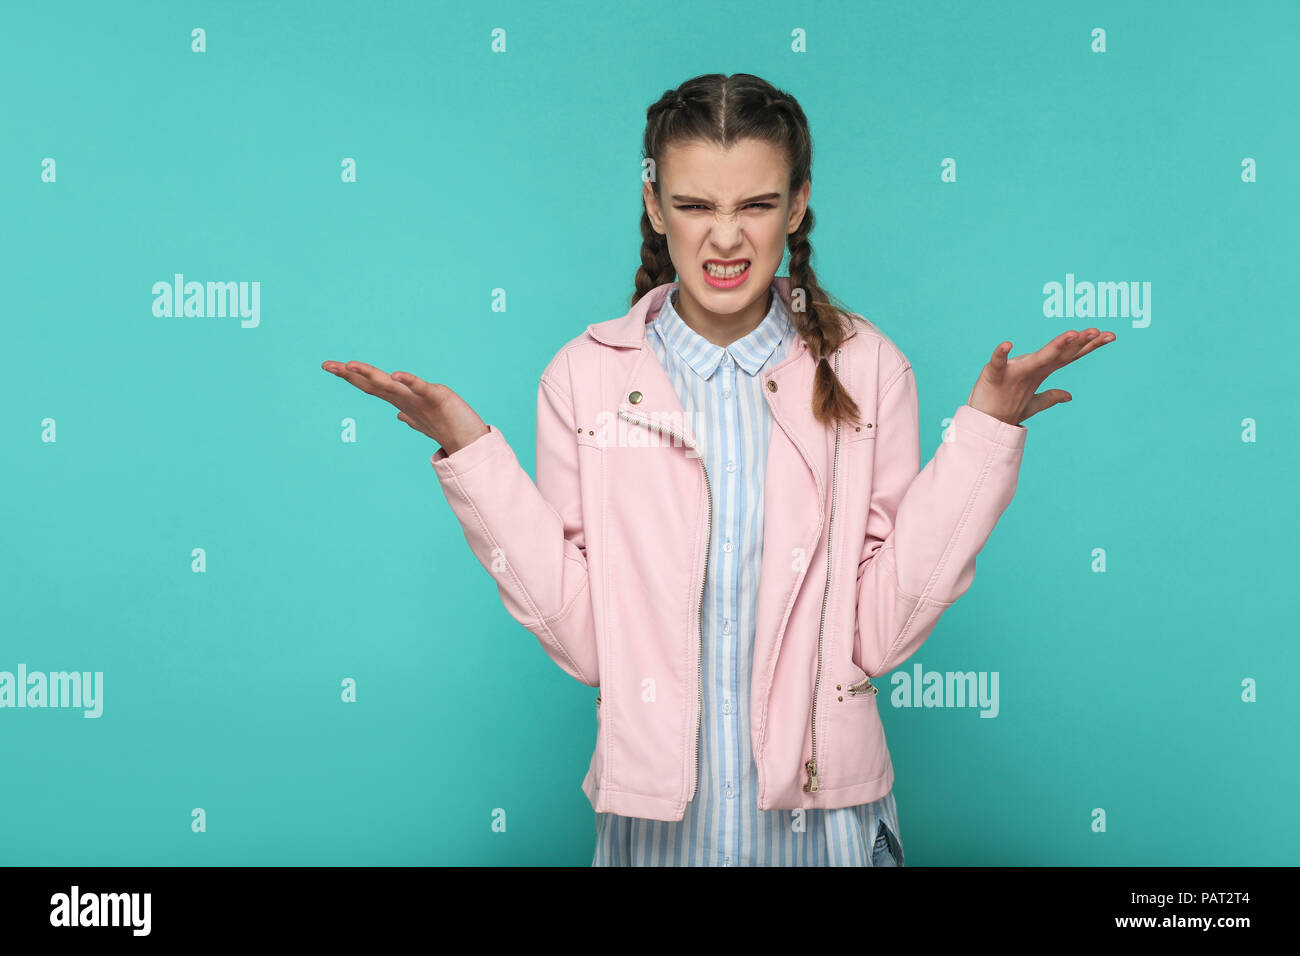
[[811, 785]]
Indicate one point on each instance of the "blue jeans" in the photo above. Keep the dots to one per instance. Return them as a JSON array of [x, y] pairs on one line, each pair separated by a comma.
[[886, 851]]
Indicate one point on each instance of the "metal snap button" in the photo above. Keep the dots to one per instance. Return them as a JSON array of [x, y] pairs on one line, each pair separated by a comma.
[[771, 385], [635, 398]]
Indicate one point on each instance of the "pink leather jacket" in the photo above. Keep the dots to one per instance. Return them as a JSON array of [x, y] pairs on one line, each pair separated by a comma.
[[603, 559]]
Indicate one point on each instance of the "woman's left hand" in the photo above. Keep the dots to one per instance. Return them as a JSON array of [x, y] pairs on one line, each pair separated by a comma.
[[1008, 388]]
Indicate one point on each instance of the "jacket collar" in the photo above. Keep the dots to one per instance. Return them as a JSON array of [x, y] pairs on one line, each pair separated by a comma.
[[629, 331]]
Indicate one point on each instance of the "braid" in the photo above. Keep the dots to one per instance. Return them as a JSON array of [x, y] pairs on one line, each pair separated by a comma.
[[819, 324], [656, 265]]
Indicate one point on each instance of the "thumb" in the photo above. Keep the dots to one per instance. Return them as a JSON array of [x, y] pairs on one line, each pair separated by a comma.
[[1053, 396]]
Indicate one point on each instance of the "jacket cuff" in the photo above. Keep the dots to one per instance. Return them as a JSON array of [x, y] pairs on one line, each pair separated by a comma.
[[969, 418], [466, 458]]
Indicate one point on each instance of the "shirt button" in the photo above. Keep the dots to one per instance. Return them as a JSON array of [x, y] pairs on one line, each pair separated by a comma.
[[727, 547], [731, 466], [726, 706], [726, 625], [730, 793], [728, 863]]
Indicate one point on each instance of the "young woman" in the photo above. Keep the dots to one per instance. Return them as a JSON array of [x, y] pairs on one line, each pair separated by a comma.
[[730, 532]]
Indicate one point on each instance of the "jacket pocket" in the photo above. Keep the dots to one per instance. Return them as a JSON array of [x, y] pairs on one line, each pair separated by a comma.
[[863, 688], [855, 749]]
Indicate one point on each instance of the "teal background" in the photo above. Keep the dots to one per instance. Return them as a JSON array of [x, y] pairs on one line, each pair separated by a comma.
[[479, 170]]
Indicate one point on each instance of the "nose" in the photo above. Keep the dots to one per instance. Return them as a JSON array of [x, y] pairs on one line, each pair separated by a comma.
[[727, 232]]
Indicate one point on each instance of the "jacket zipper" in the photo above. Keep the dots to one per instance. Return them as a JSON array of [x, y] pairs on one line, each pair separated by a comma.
[[699, 673], [811, 766], [863, 686]]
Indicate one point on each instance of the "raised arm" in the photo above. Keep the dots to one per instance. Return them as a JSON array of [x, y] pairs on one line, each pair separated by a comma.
[[531, 541], [925, 528], [529, 536]]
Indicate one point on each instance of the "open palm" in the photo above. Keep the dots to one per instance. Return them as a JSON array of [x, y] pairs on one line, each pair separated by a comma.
[[1007, 388], [429, 407]]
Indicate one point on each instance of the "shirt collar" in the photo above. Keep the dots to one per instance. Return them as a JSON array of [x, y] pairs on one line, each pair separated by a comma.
[[750, 352]]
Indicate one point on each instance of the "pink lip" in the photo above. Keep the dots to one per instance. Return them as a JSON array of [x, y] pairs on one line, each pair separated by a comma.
[[726, 283]]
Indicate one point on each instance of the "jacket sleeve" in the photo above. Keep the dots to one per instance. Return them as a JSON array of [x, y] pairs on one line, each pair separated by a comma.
[[529, 536], [925, 529]]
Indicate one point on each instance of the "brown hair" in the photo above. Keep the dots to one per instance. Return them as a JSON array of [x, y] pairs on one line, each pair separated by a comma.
[[722, 109]]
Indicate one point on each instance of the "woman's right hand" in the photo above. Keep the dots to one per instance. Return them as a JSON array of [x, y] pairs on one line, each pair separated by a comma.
[[429, 408]]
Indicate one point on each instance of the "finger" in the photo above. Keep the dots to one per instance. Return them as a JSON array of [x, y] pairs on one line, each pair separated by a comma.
[[361, 368], [1064, 346], [348, 375], [417, 385], [997, 365], [403, 417], [354, 375], [376, 382], [406, 381], [1092, 343], [1053, 396], [1059, 352]]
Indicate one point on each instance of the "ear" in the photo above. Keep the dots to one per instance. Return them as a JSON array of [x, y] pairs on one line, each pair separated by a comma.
[[798, 205], [652, 208]]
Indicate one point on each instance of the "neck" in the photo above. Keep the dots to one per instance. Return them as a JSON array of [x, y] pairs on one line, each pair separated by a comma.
[[721, 328]]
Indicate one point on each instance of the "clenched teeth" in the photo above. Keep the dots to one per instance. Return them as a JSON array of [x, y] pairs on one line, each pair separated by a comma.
[[725, 272]]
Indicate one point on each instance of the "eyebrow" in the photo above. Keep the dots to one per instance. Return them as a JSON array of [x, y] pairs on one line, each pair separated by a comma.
[[679, 198]]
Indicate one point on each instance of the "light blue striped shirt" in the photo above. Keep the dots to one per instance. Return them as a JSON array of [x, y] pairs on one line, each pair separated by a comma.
[[720, 391]]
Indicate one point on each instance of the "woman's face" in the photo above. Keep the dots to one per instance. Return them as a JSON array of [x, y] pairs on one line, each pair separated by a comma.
[[721, 207]]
